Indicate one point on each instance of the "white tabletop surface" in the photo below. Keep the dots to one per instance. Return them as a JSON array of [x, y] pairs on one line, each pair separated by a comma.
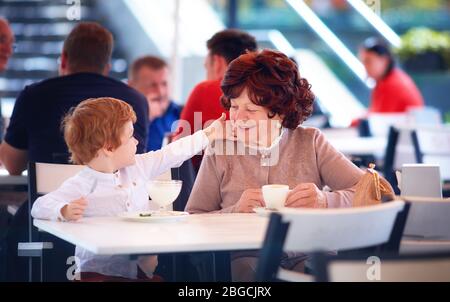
[[412, 246], [6, 179], [360, 145], [196, 233]]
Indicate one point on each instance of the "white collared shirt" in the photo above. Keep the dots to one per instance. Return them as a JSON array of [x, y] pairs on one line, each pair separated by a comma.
[[115, 193]]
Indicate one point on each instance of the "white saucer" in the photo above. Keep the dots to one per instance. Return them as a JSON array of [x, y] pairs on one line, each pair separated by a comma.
[[154, 216], [265, 212]]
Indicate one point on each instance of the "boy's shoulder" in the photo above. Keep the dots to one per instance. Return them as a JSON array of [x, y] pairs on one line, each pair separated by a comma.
[[79, 180]]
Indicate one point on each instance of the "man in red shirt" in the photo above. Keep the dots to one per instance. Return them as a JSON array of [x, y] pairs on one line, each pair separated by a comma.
[[395, 91], [6, 51], [203, 104]]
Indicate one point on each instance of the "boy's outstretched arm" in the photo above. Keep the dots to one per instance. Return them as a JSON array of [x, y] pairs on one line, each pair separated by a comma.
[[155, 163]]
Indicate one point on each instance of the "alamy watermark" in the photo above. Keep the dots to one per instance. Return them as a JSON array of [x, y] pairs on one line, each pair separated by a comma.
[[374, 5], [236, 137], [373, 273], [73, 272], [73, 12]]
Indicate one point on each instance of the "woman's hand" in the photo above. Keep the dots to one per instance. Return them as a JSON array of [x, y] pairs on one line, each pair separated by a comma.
[[250, 199], [74, 210], [306, 195], [217, 129]]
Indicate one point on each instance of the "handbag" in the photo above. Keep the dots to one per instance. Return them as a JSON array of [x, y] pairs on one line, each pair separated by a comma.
[[372, 189]]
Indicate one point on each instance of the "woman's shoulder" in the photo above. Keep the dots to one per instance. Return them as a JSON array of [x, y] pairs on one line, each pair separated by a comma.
[[304, 132]]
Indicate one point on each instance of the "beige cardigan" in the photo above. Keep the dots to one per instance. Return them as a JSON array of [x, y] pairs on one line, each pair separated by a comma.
[[302, 155]]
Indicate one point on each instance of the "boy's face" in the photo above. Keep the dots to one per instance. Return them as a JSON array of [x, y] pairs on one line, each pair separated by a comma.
[[123, 156]]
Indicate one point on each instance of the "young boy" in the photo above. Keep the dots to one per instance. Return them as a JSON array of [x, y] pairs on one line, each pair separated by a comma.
[[99, 134]]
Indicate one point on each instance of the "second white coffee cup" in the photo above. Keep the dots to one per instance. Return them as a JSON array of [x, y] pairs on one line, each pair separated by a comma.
[[275, 195]]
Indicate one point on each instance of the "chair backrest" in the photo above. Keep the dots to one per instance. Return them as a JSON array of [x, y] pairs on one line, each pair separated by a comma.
[[48, 177], [332, 133], [312, 230], [186, 173], [411, 268], [404, 149], [379, 123], [428, 218], [432, 146], [425, 116], [44, 178], [399, 151], [417, 144], [398, 128], [315, 230]]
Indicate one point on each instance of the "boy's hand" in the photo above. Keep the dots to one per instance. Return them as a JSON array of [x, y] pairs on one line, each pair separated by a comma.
[[217, 129], [74, 210]]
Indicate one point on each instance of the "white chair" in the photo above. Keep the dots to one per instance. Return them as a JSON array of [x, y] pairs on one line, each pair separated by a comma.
[[427, 228], [404, 149], [432, 146], [43, 178], [425, 116], [320, 230], [340, 133], [417, 268], [411, 144], [379, 123]]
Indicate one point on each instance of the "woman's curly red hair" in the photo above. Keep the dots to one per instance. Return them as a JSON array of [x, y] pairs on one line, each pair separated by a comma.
[[272, 80]]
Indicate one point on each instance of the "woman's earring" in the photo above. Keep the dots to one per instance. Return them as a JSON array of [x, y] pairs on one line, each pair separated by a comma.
[[278, 125]]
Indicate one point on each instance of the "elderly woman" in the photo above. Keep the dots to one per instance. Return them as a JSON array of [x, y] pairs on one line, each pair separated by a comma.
[[268, 100]]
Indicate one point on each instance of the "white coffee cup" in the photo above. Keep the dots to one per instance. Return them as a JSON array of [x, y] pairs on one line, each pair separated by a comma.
[[275, 195]]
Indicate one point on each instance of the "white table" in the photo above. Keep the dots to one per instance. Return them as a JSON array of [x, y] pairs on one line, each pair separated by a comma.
[[6, 179], [375, 146], [12, 183], [196, 233], [415, 246]]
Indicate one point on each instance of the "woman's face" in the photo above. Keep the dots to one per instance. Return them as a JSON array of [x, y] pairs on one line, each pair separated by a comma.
[[251, 122], [375, 64]]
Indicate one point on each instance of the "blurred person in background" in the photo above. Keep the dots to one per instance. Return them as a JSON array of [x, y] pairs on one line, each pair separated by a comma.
[[6, 43], [6, 50], [395, 91], [223, 47], [150, 76], [34, 132]]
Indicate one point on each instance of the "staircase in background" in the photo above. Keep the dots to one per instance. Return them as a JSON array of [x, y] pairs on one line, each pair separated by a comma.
[[40, 27]]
